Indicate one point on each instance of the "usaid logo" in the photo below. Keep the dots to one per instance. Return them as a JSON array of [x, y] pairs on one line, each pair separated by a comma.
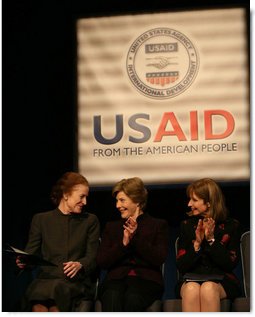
[[162, 63]]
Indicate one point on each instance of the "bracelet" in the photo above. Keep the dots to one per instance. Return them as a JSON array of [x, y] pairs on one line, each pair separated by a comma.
[[211, 241]]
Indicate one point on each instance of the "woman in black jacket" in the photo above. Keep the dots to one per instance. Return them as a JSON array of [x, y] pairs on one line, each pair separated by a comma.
[[208, 250], [132, 251], [67, 237]]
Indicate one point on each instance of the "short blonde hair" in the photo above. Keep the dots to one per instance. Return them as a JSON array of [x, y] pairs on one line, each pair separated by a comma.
[[134, 189]]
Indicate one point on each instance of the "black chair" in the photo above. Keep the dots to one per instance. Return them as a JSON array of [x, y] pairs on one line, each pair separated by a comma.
[[242, 304], [83, 305], [175, 305], [87, 305], [156, 306]]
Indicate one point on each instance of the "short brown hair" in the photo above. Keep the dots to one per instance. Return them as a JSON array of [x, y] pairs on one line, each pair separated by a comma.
[[134, 189]]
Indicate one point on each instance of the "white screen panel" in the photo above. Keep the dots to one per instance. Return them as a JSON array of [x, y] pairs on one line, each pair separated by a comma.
[[163, 96]]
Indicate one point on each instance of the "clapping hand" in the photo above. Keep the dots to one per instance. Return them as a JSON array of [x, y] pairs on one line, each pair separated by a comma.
[[209, 225], [204, 230], [130, 227], [200, 232]]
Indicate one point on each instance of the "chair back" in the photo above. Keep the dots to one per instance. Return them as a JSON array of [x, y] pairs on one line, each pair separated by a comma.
[[176, 252], [245, 259], [176, 245]]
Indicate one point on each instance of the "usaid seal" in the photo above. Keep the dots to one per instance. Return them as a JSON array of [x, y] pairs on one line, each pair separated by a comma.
[[162, 63]]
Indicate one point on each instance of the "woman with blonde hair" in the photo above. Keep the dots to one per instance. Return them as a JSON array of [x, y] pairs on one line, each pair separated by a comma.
[[132, 251]]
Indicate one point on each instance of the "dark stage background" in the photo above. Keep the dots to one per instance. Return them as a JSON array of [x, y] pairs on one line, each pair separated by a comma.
[[39, 123]]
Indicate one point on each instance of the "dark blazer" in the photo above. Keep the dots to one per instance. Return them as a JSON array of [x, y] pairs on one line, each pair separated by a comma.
[[219, 258], [146, 252], [60, 238]]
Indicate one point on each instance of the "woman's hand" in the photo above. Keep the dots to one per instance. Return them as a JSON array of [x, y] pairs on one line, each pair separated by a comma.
[[209, 225], [20, 262], [200, 233], [71, 268], [130, 228]]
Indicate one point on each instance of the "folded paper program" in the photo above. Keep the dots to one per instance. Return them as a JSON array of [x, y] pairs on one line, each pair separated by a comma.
[[29, 259]]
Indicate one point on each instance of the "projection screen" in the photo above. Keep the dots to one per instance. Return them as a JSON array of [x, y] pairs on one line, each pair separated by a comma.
[[163, 96]]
